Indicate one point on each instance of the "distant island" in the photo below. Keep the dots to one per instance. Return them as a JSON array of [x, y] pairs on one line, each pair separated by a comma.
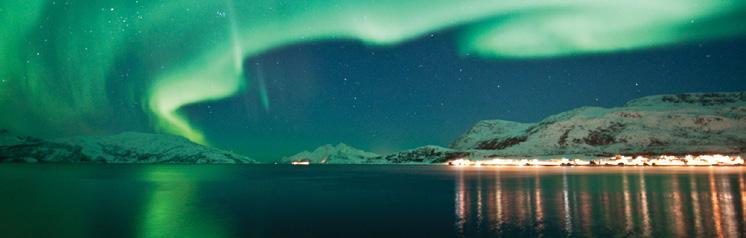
[[675, 125]]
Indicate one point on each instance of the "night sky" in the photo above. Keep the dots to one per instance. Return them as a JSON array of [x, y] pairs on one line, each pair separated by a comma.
[[271, 78], [423, 92]]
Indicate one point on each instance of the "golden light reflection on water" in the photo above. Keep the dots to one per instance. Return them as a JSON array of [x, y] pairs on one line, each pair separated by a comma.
[[628, 202], [586, 212], [742, 188], [566, 205], [480, 199], [627, 205], [730, 215], [519, 209], [695, 206], [726, 199], [606, 203], [677, 209], [539, 209], [498, 201], [460, 204], [644, 206], [715, 206]]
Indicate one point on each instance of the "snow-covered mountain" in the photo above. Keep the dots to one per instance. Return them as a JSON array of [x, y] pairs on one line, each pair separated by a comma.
[[333, 154], [695, 123], [128, 147]]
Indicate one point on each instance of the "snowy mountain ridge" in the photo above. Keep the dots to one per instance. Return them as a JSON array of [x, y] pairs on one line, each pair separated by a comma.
[[127, 147], [693, 123], [696, 123], [333, 154], [343, 154]]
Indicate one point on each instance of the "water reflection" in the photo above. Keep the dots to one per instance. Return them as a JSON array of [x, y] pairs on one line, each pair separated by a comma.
[[460, 202], [357, 201], [715, 206], [633, 202], [539, 209], [726, 199], [644, 206], [627, 205], [742, 188], [566, 205], [695, 206], [498, 203], [679, 228], [171, 210]]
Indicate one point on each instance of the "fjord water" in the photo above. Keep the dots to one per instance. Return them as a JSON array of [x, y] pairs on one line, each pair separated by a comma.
[[100, 200]]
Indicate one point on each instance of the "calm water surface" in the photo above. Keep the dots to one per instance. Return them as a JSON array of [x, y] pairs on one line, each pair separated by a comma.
[[368, 201]]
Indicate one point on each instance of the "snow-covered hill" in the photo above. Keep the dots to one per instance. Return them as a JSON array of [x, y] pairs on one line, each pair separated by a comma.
[[694, 123], [425, 154], [128, 147], [333, 154]]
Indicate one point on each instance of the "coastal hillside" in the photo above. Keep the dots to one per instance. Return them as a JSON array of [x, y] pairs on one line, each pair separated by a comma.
[[696, 123], [425, 154]]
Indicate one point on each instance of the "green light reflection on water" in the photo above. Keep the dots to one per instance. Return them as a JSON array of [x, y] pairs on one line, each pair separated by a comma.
[[173, 208]]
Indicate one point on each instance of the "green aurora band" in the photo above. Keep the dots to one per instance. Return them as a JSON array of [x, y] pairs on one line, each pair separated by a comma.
[[61, 63]]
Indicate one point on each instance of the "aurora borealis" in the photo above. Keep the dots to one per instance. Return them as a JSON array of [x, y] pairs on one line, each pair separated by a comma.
[[72, 67]]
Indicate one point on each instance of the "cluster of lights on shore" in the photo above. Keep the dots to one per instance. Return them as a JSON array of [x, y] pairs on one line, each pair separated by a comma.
[[304, 162], [663, 160]]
